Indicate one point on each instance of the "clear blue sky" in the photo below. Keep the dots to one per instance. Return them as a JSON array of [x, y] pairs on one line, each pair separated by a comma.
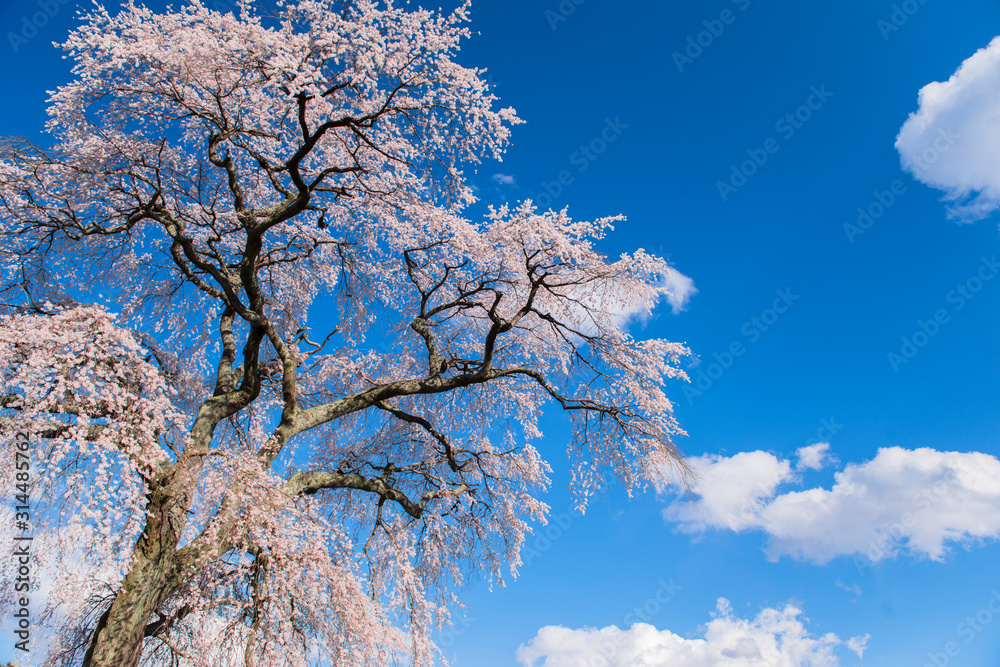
[[676, 132]]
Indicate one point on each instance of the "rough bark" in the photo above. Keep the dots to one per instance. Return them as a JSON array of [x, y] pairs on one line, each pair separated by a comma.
[[118, 639]]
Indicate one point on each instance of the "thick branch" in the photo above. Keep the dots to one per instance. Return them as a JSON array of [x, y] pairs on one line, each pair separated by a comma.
[[310, 482]]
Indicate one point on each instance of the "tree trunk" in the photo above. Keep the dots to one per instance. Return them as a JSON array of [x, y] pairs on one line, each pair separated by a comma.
[[153, 574], [118, 639]]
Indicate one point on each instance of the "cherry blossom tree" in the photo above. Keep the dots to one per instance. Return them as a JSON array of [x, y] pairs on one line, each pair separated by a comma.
[[281, 392]]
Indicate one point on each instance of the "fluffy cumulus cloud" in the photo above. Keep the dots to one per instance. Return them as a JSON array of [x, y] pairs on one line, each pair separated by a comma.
[[952, 141], [903, 501], [774, 638], [813, 457], [730, 490]]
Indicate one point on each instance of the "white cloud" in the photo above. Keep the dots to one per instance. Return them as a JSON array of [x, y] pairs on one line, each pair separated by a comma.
[[680, 289], [730, 490], [859, 645], [503, 179], [813, 457], [902, 501], [952, 141], [774, 638]]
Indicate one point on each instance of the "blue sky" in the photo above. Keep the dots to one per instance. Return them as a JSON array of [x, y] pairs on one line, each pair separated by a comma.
[[673, 128]]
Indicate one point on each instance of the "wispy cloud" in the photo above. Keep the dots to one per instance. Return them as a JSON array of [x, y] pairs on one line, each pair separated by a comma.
[[680, 290], [853, 589], [859, 645], [503, 179]]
